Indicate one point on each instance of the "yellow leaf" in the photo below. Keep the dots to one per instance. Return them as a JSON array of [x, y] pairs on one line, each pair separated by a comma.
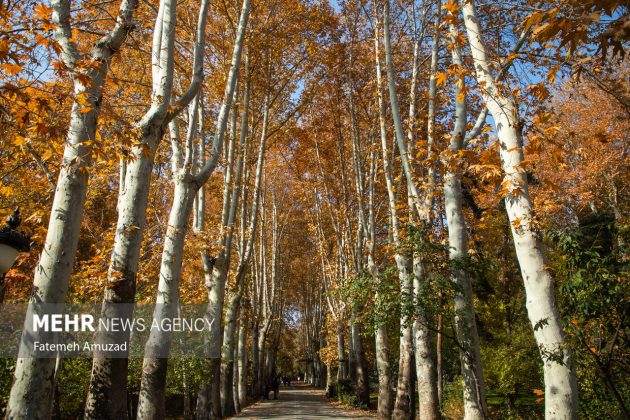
[[11, 68], [538, 391], [440, 78]]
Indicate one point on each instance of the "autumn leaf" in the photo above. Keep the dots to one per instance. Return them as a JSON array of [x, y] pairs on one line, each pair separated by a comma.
[[451, 6], [11, 69], [532, 19], [440, 78], [19, 141], [42, 11]]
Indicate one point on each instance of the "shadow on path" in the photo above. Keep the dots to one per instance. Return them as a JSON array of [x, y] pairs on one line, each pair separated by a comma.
[[299, 402]]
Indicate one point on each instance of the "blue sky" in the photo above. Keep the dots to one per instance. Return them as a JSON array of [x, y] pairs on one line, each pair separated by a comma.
[[335, 5]]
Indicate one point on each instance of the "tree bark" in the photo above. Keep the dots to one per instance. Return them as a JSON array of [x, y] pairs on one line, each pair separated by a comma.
[[428, 402], [385, 399], [402, 405], [233, 308], [412, 190], [155, 363], [216, 294], [465, 325], [31, 393], [362, 385], [385, 396], [341, 344], [242, 365], [358, 364], [107, 397], [228, 408], [560, 382]]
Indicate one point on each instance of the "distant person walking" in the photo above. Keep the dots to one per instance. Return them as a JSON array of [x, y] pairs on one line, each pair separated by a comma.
[[275, 386], [267, 391], [286, 380]]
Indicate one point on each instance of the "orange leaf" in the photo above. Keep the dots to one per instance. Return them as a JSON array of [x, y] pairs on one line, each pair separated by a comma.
[[440, 78], [19, 141], [11, 68], [451, 6], [42, 11]]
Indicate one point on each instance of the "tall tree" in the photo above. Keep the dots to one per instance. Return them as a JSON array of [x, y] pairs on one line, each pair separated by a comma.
[[560, 382], [108, 386], [465, 323], [32, 390], [410, 271]]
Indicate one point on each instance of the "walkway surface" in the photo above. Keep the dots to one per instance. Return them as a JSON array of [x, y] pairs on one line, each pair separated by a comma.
[[299, 402]]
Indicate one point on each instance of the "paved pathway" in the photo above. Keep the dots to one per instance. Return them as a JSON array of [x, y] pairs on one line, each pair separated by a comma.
[[299, 402]]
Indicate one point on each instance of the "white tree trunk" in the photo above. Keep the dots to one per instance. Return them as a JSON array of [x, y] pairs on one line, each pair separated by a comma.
[[403, 406], [393, 98], [385, 396], [465, 325], [154, 366], [155, 363], [358, 365], [230, 338], [227, 219], [216, 293], [404, 391], [242, 365], [341, 349], [31, 393], [428, 399], [107, 395], [560, 381], [215, 273], [255, 367], [431, 109], [233, 308]]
